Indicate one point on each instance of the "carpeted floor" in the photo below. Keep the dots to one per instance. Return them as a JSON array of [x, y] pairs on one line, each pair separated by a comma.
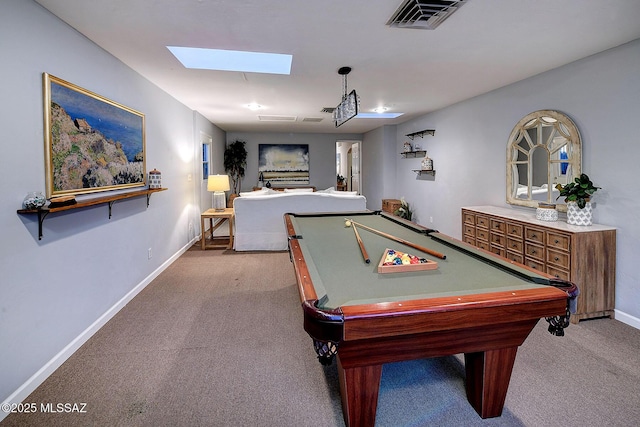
[[217, 340]]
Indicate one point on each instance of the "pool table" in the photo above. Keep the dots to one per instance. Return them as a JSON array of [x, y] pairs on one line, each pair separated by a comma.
[[474, 303]]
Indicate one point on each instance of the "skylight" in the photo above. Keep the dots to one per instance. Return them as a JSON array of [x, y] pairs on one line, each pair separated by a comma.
[[232, 60], [378, 115]]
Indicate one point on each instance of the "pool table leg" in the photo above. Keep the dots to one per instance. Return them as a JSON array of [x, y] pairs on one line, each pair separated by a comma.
[[359, 391], [488, 375]]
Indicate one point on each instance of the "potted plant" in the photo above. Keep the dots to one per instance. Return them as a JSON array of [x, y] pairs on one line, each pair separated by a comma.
[[577, 196], [235, 161], [404, 211]]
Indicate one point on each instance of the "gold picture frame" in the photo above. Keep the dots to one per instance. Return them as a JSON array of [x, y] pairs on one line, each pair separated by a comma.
[[92, 143]]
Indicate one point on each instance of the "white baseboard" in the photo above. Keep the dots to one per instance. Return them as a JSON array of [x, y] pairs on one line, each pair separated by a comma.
[[627, 318], [43, 373]]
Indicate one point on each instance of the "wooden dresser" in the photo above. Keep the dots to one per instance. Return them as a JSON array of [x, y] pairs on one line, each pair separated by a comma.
[[584, 255]]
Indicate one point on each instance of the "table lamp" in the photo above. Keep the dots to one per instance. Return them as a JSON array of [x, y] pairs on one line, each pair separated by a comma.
[[218, 184]]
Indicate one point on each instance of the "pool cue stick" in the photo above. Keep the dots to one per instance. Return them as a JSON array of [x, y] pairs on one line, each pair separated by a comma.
[[398, 239], [365, 255]]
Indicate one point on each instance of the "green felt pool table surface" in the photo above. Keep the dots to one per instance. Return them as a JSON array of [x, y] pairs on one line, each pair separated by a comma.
[[342, 278]]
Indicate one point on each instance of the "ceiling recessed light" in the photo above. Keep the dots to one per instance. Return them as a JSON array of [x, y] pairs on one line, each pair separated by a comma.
[[254, 106], [232, 60], [380, 110]]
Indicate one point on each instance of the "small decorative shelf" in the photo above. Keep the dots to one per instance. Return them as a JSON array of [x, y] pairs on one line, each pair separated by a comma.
[[44, 211], [412, 154], [421, 133], [427, 172]]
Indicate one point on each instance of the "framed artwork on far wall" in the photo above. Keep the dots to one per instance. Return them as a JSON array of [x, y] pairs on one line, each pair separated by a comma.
[[91, 143], [284, 164]]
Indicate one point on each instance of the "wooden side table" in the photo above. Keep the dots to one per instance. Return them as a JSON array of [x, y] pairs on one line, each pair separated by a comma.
[[221, 217], [391, 205]]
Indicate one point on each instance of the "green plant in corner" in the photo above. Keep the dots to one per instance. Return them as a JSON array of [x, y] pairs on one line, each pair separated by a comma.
[[235, 161], [404, 211], [579, 191]]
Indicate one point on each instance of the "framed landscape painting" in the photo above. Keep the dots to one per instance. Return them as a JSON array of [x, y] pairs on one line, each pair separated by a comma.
[[284, 164], [91, 143]]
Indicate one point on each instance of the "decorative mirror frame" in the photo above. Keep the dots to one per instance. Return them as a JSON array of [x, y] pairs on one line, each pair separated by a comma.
[[563, 126]]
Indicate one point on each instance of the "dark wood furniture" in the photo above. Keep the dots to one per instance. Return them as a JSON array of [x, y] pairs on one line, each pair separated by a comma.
[[474, 303]]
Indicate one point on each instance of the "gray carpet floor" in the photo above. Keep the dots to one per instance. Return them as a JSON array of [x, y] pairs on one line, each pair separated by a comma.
[[217, 340]]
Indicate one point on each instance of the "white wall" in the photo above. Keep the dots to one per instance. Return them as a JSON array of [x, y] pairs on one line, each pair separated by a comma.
[[56, 291], [322, 154], [600, 93], [379, 166]]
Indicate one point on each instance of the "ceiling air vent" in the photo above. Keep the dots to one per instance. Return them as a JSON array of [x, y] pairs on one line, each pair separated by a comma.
[[265, 118], [423, 14], [312, 119], [328, 110]]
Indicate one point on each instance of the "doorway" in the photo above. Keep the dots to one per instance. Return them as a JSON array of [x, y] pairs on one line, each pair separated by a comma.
[[348, 166]]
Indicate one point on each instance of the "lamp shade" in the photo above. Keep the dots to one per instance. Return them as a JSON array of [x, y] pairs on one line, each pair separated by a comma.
[[218, 183]]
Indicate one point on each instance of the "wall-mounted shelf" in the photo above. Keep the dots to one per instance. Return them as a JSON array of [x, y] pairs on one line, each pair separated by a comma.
[[421, 133], [43, 212], [416, 153], [426, 172]]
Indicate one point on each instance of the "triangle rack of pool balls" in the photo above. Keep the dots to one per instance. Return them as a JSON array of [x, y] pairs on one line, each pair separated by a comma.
[[393, 261]]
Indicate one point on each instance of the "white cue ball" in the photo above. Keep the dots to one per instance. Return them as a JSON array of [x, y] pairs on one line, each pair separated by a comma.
[[347, 223]]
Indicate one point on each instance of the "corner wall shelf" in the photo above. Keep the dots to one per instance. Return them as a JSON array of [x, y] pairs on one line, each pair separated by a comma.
[[427, 172], [421, 133], [44, 211]]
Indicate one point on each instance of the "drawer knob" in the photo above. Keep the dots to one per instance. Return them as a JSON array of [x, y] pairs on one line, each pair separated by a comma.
[[557, 241], [533, 236], [533, 251], [556, 259]]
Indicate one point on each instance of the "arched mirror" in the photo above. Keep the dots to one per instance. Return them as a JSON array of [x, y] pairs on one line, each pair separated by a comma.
[[544, 150]]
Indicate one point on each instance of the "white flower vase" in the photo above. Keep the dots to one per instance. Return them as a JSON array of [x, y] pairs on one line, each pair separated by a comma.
[[577, 216]]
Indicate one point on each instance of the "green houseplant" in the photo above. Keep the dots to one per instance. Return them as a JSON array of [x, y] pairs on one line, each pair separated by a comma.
[[235, 161], [579, 191]]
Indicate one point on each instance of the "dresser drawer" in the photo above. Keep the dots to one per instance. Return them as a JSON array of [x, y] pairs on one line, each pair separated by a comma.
[[469, 218], [469, 231], [558, 258], [497, 239], [514, 245], [534, 251], [498, 250], [482, 245], [514, 256], [557, 272], [558, 241], [482, 221], [537, 265], [497, 225], [470, 240], [482, 234], [534, 235], [514, 230]]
